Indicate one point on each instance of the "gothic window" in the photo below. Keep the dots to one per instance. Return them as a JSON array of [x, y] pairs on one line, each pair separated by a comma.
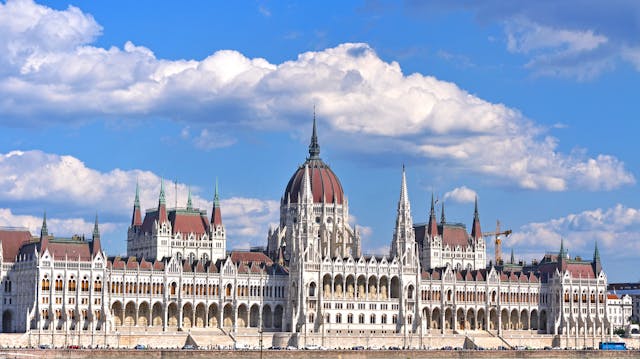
[[97, 285], [384, 319], [85, 284]]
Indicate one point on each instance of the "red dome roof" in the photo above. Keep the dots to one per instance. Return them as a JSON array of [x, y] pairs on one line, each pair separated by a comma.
[[323, 181]]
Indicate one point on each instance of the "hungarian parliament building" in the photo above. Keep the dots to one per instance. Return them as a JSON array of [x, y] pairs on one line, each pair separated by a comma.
[[311, 277]]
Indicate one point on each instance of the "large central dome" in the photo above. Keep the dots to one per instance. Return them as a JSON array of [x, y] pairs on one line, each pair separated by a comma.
[[325, 185]]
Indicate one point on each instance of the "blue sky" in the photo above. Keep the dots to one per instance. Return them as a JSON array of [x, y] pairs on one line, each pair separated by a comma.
[[531, 107]]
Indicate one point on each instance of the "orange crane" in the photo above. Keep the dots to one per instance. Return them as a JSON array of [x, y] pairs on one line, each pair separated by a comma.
[[498, 242]]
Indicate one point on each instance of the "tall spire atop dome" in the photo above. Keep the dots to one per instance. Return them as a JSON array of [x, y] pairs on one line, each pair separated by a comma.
[[314, 147]]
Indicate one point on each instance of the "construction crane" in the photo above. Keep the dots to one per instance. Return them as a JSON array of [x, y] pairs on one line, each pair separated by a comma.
[[498, 242]]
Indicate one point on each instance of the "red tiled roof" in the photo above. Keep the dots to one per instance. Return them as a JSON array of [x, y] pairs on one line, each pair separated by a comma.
[[181, 222], [132, 263], [186, 223], [612, 296], [158, 265], [11, 241], [455, 236], [581, 270], [144, 265], [73, 250], [247, 257], [323, 181]]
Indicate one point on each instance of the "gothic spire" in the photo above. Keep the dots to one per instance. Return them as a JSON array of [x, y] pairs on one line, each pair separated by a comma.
[[96, 230], [442, 218], [43, 230], [513, 258], [562, 253], [189, 202], [306, 195], [216, 214], [433, 226], [136, 202], [475, 210], [314, 147], [136, 218], [404, 197], [162, 205], [476, 232], [597, 265], [162, 196]]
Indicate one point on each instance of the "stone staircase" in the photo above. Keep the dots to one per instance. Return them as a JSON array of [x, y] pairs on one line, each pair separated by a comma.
[[484, 339]]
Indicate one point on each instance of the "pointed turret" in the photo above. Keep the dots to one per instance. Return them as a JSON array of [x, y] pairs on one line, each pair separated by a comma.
[[442, 218], [136, 218], [95, 244], [43, 230], [597, 265], [96, 230], [433, 225], [403, 237], [562, 253], [218, 234], [162, 204], [189, 202], [513, 258], [476, 232], [216, 214], [562, 256], [314, 147], [306, 195]]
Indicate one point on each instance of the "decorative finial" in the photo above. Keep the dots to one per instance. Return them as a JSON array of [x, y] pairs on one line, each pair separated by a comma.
[[216, 198], [314, 147], [562, 251], [432, 213], [442, 219]]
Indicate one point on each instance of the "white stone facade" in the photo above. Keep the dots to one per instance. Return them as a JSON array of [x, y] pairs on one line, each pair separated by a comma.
[[312, 279]]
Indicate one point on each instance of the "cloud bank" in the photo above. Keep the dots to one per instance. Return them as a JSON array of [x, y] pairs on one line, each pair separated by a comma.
[[55, 181], [616, 230], [51, 73], [461, 195]]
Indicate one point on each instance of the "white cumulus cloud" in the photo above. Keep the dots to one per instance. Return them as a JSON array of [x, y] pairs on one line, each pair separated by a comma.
[[56, 226], [461, 195], [616, 230], [64, 183], [365, 104]]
